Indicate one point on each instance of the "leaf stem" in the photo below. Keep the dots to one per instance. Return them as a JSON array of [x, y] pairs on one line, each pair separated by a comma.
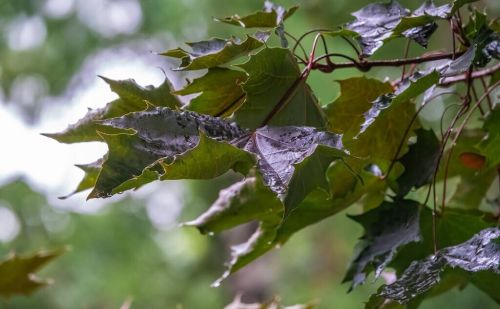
[[485, 88], [405, 55], [403, 140], [290, 91], [306, 34], [301, 47]]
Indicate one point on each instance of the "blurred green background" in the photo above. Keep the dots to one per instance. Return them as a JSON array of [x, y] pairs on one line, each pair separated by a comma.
[[130, 247]]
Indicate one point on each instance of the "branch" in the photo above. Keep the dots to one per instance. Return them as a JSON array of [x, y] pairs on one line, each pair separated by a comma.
[[481, 73], [367, 65]]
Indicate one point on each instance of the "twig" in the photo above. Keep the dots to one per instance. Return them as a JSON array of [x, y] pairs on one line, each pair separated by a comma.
[[474, 94], [477, 74], [366, 65], [301, 47], [405, 55], [306, 34], [488, 99]]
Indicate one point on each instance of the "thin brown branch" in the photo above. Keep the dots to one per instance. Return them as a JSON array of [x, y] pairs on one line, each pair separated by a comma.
[[405, 55], [463, 77], [367, 65], [299, 40], [485, 88]]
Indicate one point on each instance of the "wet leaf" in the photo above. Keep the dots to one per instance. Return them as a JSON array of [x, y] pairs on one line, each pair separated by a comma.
[[374, 23], [345, 189], [419, 162], [382, 131], [270, 16], [274, 77], [379, 22], [414, 85], [132, 98], [490, 145], [461, 64], [159, 133], [421, 24], [215, 52], [293, 160], [210, 158], [387, 227], [454, 227], [219, 92], [485, 39], [480, 253], [376, 125], [356, 97], [246, 201], [91, 171], [17, 273]]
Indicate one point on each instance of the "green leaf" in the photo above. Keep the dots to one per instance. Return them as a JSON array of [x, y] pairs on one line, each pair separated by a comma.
[[408, 89], [129, 91], [215, 52], [271, 16], [372, 128], [419, 162], [466, 162], [132, 98], [487, 282], [383, 131], [345, 189], [242, 202], [457, 4], [91, 171], [346, 113], [220, 92], [17, 273], [387, 227], [490, 146], [274, 77], [160, 133], [414, 85], [245, 201], [209, 159], [479, 253]]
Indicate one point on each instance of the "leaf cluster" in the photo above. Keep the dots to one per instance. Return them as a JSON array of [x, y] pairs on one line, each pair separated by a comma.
[[301, 161]]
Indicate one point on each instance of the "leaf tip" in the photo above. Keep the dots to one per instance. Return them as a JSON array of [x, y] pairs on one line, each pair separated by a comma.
[[218, 282]]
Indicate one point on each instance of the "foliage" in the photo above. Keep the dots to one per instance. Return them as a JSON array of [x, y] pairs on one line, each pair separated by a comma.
[[302, 162], [17, 273]]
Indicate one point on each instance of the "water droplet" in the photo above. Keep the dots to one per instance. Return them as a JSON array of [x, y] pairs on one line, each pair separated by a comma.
[[383, 101], [216, 284]]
